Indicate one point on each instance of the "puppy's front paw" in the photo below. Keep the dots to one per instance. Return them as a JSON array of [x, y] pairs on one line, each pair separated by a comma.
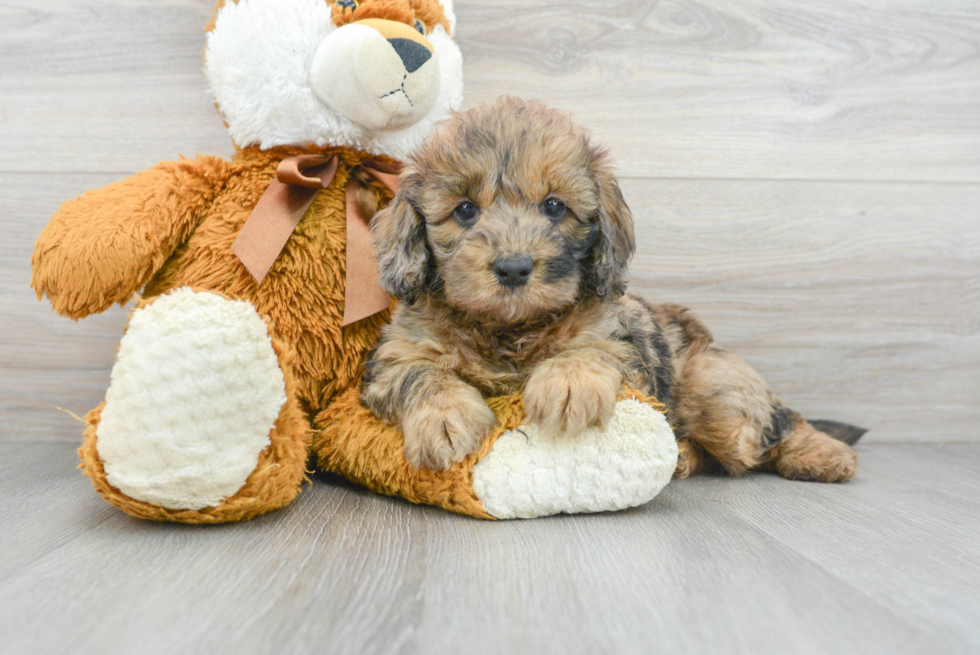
[[446, 427], [566, 396]]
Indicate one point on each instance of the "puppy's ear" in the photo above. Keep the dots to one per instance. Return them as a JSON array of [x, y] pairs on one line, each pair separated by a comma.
[[616, 243], [402, 251]]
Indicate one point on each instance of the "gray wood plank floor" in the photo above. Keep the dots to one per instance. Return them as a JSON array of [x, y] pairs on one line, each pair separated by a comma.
[[884, 564]]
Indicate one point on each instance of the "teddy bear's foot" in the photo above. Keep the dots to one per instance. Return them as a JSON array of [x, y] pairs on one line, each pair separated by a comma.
[[200, 424], [529, 474], [517, 472]]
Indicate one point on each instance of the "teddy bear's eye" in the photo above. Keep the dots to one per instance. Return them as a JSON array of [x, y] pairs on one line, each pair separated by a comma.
[[347, 4], [420, 26]]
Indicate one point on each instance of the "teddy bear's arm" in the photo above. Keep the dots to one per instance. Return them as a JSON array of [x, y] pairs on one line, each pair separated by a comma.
[[102, 247]]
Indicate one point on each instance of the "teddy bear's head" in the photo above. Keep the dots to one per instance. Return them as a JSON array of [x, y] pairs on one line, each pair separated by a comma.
[[374, 75]]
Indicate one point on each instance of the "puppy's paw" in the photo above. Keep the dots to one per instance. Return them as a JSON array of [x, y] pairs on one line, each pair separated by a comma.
[[813, 455], [446, 427], [688, 459], [568, 395]]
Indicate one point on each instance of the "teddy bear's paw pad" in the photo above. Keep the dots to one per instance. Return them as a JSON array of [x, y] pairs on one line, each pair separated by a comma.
[[194, 396], [526, 474]]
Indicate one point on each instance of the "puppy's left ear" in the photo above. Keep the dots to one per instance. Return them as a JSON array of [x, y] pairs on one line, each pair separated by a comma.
[[400, 240], [616, 243]]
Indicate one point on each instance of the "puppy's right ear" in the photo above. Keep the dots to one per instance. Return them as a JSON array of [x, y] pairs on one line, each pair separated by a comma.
[[401, 248]]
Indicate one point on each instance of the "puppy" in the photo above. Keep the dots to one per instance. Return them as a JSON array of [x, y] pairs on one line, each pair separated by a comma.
[[508, 244]]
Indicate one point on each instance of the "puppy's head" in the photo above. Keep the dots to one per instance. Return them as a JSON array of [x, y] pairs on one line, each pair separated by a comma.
[[509, 212]]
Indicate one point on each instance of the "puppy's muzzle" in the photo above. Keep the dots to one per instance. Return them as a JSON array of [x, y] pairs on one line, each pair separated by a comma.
[[513, 272]]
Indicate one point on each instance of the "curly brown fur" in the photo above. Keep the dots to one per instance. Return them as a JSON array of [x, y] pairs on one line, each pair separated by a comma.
[[691, 459], [508, 245], [808, 454]]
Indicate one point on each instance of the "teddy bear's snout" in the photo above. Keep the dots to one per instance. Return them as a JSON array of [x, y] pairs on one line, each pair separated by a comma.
[[381, 74]]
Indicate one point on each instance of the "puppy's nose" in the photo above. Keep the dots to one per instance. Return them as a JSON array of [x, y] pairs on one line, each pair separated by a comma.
[[412, 54], [513, 271]]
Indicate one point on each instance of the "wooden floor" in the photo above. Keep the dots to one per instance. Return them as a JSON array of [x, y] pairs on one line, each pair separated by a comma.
[[885, 564], [805, 175]]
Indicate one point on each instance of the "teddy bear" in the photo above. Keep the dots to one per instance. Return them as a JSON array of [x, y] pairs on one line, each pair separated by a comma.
[[258, 295]]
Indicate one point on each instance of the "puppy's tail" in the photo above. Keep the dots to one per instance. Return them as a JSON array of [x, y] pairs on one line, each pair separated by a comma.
[[845, 432]]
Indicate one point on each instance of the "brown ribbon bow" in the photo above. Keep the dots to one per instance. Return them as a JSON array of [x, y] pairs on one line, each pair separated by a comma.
[[283, 205]]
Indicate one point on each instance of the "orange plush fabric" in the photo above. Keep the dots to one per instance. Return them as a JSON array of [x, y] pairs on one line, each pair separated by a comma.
[[172, 226], [430, 13], [179, 219]]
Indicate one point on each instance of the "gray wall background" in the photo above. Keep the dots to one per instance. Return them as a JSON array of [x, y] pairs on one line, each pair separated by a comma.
[[806, 176]]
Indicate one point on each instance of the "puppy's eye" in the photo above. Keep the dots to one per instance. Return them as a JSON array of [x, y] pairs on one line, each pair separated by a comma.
[[553, 209], [347, 4], [420, 26], [467, 213]]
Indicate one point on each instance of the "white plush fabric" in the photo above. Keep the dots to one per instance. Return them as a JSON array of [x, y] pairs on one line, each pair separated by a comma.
[[194, 395], [527, 475], [372, 85], [258, 60]]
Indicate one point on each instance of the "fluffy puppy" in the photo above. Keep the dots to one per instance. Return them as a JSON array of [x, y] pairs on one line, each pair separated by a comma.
[[508, 244]]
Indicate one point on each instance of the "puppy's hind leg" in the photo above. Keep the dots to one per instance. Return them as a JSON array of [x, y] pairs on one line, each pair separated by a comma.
[[691, 459], [806, 453], [728, 409]]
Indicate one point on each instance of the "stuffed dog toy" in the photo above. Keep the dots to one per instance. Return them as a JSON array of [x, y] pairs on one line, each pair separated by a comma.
[[244, 265], [260, 298]]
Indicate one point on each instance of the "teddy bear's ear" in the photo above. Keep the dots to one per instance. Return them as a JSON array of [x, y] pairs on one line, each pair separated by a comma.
[[402, 249], [219, 5], [450, 14]]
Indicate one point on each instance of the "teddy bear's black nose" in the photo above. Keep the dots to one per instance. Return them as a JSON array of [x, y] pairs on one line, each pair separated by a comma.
[[514, 271], [412, 54]]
